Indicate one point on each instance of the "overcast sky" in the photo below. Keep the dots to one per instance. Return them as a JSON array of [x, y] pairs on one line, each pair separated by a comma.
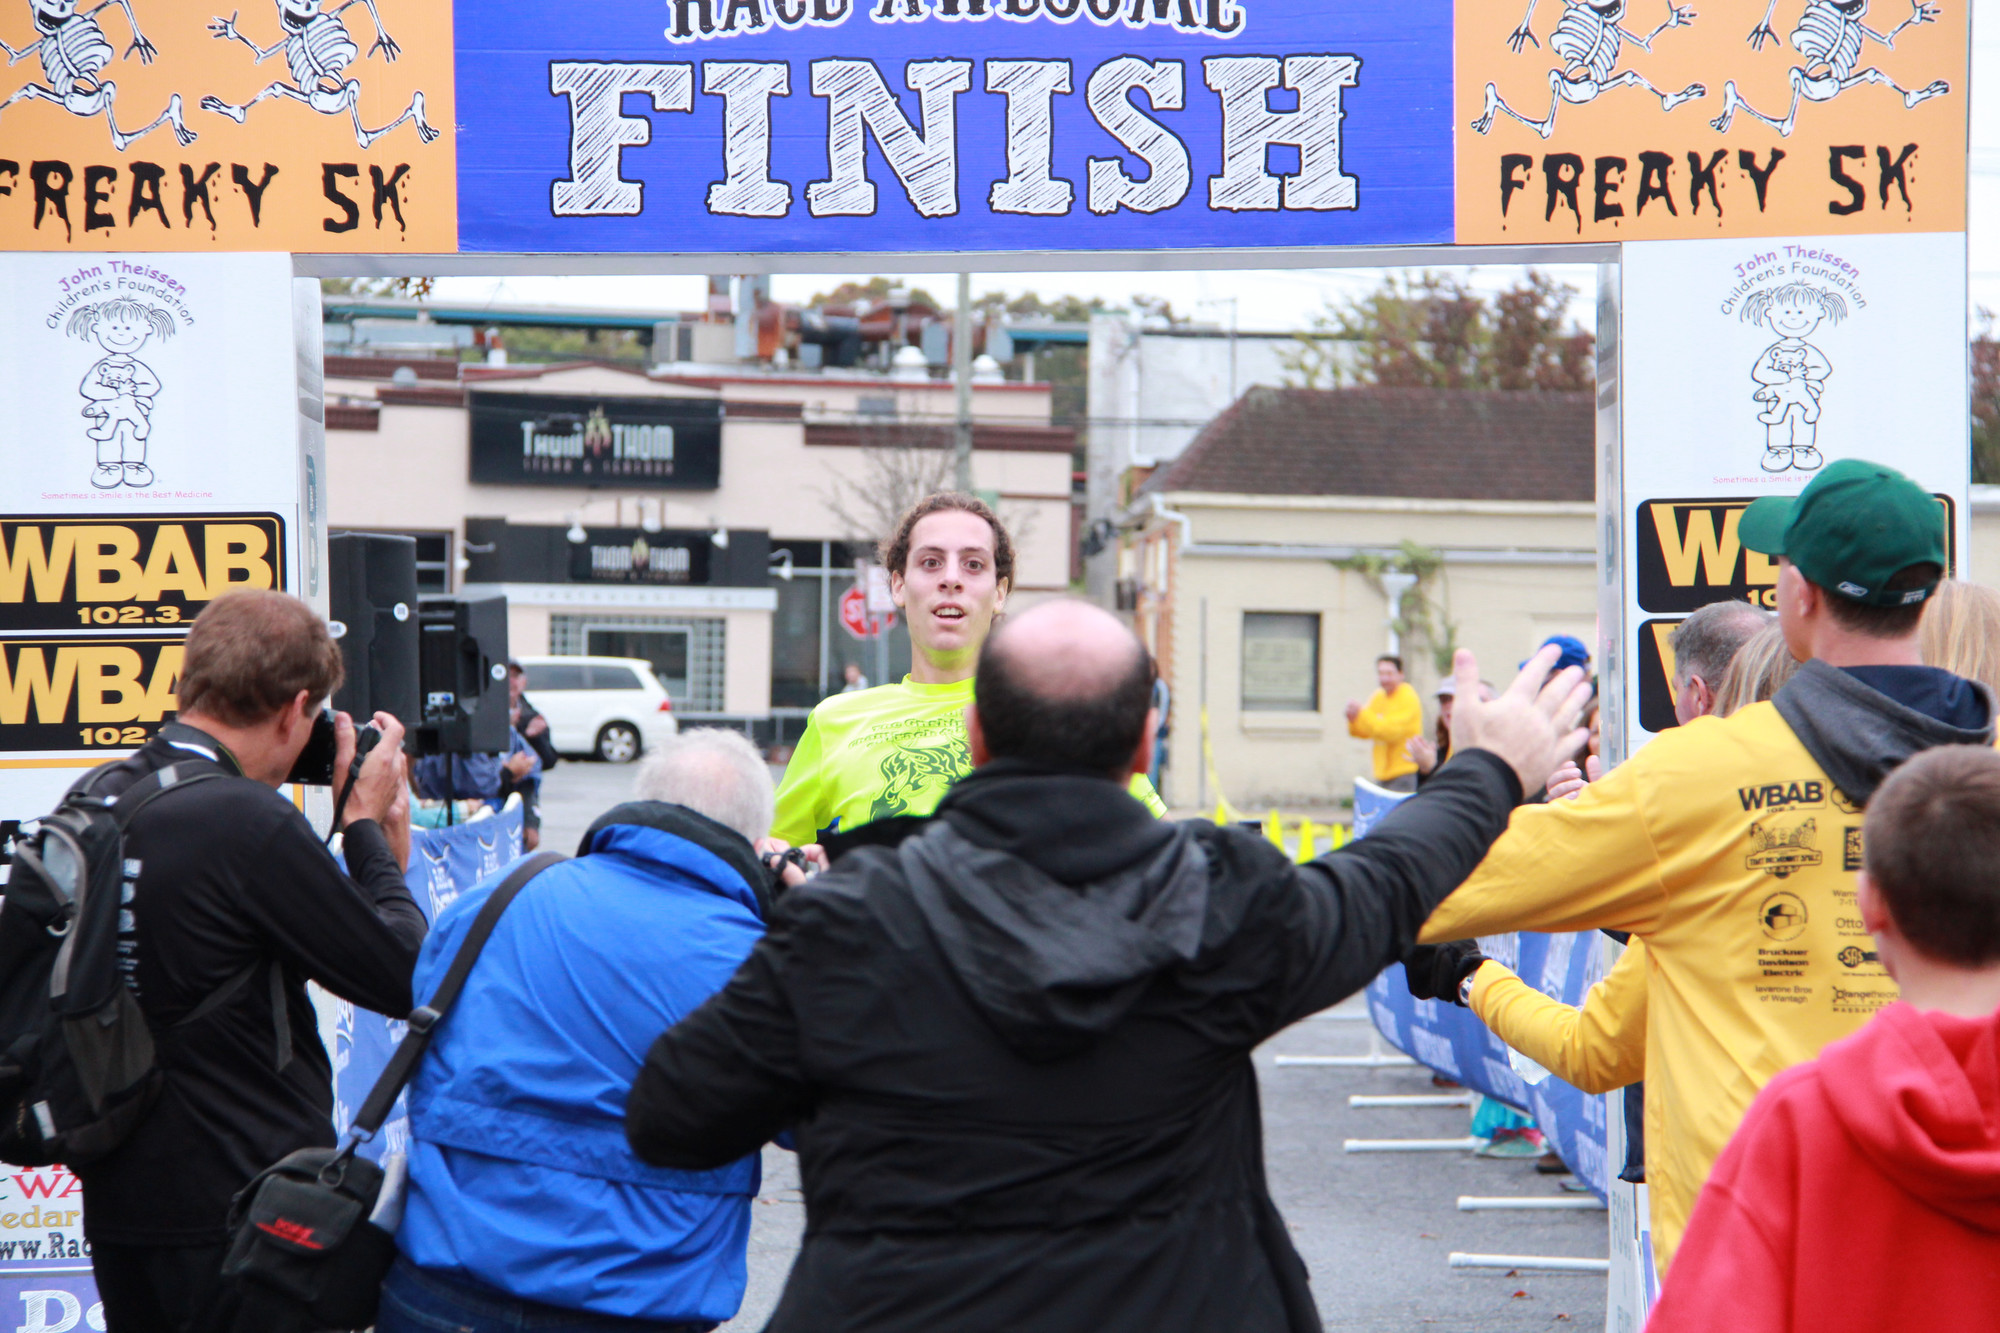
[[1269, 299]]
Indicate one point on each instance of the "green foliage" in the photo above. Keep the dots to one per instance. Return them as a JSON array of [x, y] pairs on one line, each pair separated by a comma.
[[1425, 620], [417, 289], [1434, 331], [532, 344], [874, 289]]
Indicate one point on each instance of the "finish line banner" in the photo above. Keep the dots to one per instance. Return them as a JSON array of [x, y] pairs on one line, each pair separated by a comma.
[[412, 127], [1452, 1041]]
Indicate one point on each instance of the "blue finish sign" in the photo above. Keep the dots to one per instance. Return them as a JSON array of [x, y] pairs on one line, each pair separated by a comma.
[[991, 125]]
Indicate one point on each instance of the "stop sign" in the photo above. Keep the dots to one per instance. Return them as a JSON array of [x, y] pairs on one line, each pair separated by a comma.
[[854, 615]]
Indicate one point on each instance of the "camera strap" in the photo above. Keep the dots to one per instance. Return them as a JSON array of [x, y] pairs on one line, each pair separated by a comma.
[[425, 1017]]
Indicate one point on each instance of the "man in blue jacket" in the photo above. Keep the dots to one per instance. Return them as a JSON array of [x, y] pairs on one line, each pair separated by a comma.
[[526, 1207]]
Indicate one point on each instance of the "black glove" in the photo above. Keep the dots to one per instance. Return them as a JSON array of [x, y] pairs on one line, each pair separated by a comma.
[[1436, 971]]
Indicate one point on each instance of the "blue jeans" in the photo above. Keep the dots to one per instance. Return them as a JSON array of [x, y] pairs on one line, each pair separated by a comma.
[[420, 1300]]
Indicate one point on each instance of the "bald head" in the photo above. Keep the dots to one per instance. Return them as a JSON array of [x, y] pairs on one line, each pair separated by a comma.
[[1066, 685]]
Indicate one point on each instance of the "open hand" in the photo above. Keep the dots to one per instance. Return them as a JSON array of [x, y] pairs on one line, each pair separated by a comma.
[[1531, 725]]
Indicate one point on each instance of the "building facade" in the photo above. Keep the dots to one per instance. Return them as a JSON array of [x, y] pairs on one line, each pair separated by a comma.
[[708, 520], [1255, 564]]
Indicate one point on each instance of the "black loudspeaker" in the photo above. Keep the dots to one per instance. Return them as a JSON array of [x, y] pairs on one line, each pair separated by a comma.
[[372, 597], [462, 674]]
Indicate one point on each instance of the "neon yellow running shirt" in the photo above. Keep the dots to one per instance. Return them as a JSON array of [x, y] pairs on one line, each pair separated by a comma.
[[892, 750]]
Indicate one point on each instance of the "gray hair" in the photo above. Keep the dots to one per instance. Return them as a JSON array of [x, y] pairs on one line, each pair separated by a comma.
[[713, 772], [1705, 643]]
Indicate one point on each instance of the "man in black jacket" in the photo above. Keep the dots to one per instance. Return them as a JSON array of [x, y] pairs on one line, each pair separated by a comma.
[[236, 898], [1016, 1047]]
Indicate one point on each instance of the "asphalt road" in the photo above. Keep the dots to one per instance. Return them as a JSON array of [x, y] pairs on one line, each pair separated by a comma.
[[1375, 1228]]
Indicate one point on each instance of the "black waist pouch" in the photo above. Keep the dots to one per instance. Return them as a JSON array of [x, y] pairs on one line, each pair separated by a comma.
[[301, 1235], [300, 1232]]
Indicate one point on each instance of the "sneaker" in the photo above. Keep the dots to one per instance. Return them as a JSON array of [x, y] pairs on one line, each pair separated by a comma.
[[107, 476], [138, 474], [1552, 1165], [1513, 1143], [1777, 459], [1805, 458]]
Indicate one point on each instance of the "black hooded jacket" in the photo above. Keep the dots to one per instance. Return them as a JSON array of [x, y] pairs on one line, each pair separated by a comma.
[[1016, 1051]]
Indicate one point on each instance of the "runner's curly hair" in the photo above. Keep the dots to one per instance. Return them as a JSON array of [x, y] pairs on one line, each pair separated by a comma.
[[895, 551]]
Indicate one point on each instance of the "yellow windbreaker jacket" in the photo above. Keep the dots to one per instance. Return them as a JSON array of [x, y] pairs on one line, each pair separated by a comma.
[[1725, 846], [1597, 1046], [1391, 721]]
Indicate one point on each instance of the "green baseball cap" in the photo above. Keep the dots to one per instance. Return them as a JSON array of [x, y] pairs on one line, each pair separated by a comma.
[[1851, 530]]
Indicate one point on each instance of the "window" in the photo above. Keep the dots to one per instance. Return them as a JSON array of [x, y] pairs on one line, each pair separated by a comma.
[[556, 676], [666, 649], [614, 678], [1280, 662]]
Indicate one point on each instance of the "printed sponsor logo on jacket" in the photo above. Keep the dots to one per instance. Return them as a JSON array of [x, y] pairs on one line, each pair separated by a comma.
[[1782, 795]]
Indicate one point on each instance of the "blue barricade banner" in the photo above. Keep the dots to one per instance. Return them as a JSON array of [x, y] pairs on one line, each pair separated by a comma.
[[991, 125], [1452, 1040], [444, 863]]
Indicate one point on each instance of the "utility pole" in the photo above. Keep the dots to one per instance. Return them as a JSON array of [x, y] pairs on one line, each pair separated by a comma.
[[961, 374]]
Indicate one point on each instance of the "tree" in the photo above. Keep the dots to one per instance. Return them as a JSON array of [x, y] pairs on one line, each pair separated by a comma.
[[1985, 402], [875, 289], [1434, 331], [417, 289]]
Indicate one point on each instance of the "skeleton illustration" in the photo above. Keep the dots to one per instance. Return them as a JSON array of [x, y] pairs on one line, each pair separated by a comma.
[[1792, 372], [318, 51], [118, 391], [1589, 40], [1829, 37], [74, 52]]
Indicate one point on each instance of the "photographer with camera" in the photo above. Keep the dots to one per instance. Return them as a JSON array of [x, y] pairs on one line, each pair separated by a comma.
[[233, 905], [526, 1205]]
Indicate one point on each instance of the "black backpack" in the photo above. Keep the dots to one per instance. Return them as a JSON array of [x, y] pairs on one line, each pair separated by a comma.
[[77, 1066]]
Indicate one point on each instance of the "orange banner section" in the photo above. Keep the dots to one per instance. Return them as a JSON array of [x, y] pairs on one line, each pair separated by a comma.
[[1629, 120], [297, 125]]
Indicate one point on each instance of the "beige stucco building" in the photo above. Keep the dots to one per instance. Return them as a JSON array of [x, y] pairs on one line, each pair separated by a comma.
[[1252, 566]]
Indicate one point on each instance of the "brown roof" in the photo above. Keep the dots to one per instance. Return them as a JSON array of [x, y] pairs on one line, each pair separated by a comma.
[[1425, 444]]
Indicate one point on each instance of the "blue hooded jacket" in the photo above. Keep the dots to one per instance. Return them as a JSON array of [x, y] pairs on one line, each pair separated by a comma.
[[520, 1175]]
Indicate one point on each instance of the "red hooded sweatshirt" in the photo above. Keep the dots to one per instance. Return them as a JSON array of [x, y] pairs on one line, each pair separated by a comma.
[[1862, 1192]]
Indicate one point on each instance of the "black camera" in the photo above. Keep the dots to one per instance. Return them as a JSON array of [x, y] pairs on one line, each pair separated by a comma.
[[314, 766], [775, 863]]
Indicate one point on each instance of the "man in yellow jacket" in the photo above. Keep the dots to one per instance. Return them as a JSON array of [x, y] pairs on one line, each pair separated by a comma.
[[1730, 845], [1392, 717]]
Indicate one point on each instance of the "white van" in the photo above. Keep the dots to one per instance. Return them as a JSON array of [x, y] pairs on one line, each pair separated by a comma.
[[609, 707]]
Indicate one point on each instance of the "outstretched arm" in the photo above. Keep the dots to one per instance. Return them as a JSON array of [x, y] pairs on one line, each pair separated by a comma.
[[1677, 17], [1574, 864], [1596, 1047], [23, 53], [383, 41], [1763, 32], [1919, 13], [226, 30], [1521, 36], [145, 48]]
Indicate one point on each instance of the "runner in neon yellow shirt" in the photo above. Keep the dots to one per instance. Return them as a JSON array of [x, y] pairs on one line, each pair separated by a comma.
[[896, 749]]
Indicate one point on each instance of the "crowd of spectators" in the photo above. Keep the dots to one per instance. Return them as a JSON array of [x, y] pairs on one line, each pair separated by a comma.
[[1003, 1010]]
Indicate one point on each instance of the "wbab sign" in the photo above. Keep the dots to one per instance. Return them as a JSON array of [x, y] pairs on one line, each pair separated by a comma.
[[897, 126]]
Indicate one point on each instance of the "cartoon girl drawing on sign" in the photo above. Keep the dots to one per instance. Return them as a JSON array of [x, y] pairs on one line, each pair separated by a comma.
[[1792, 372], [118, 391]]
